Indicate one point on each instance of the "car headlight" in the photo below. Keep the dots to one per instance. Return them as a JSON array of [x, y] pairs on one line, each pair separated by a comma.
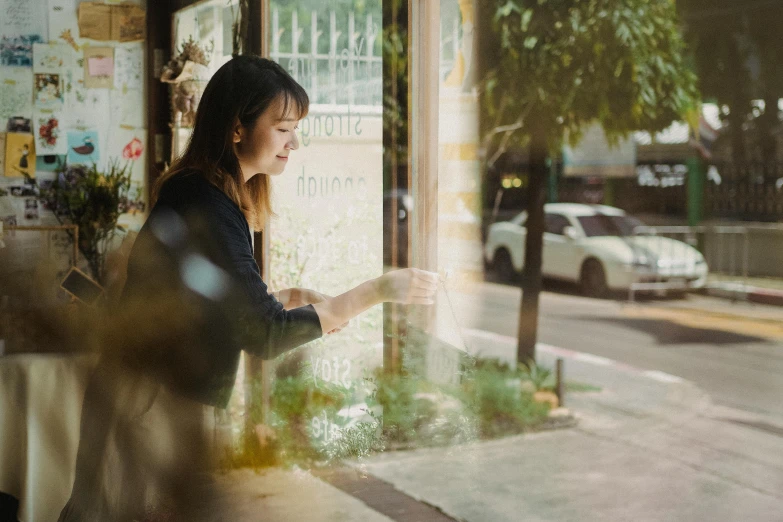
[[642, 262]]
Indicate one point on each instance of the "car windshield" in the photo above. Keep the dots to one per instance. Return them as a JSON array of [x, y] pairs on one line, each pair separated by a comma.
[[604, 225]]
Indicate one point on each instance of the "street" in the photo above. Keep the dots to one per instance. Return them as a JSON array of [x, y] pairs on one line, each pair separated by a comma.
[[733, 351]]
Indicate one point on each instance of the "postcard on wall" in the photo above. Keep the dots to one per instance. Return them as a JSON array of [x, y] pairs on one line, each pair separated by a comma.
[[99, 67], [128, 23], [19, 155], [127, 108], [95, 20], [83, 147], [47, 90], [52, 58], [16, 87], [63, 23], [23, 23], [84, 107], [129, 66], [129, 146], [124, 22], [49, 132]]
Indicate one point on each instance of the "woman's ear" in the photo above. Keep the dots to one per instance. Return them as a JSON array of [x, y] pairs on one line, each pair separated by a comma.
[[239, 131]]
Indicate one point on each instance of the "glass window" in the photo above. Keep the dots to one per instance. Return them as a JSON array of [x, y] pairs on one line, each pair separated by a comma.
[[328, 230], [603, 225], [556, 223]]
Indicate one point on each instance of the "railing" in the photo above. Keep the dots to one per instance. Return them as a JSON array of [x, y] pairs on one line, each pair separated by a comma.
[[349, 75], [681, 253]]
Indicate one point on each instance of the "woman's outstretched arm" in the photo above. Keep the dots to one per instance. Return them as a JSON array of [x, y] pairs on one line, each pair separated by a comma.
[[406, 286]]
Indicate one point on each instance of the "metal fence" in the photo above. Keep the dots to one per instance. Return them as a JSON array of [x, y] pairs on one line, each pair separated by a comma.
[[684, 256], [751, 191], [349, 73]]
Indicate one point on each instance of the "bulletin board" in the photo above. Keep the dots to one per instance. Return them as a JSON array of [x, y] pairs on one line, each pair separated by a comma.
[[71, 90]]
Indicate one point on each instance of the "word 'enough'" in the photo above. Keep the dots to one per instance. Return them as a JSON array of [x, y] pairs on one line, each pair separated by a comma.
[[325, 186]]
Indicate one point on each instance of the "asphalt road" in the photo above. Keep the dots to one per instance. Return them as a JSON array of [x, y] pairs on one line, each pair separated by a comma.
[[733, 351]]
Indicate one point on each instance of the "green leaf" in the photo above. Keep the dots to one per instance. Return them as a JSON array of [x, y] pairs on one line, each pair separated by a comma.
[[527, 15], [530, 42], [506, 10]]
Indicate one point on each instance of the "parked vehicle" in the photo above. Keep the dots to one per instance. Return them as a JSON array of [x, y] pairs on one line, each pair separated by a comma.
[[599, 247]]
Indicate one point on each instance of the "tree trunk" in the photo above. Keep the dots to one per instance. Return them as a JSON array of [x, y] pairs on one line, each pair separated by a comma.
[[534, 249]]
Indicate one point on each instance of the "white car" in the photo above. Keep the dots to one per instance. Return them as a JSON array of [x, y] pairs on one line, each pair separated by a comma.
[[599, 247]]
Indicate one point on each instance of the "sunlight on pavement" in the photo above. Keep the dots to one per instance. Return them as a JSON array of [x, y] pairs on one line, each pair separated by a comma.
[[766, 328]]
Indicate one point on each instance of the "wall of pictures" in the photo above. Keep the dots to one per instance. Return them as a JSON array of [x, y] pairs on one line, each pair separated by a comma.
[[71, 91]]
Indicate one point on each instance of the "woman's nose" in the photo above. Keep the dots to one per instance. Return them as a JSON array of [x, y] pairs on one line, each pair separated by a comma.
[[294, 143]]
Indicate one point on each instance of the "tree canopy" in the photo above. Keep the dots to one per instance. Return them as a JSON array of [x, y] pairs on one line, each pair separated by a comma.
[[565, 63]]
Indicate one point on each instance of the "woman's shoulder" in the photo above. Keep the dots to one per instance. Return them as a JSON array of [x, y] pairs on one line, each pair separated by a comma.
[[192, 187]]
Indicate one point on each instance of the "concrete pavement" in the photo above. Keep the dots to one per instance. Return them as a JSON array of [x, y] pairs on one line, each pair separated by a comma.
[[649, 447]]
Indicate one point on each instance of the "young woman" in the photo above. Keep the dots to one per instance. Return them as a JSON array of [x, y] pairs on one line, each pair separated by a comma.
[[194, 297]]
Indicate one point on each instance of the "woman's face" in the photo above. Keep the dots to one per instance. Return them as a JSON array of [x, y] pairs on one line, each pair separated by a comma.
[[264, 148]]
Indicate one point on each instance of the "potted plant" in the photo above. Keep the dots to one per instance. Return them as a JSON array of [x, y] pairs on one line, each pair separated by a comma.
[[83, 195]]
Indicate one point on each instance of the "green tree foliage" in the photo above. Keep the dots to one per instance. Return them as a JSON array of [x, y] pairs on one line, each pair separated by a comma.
[[558, 65]]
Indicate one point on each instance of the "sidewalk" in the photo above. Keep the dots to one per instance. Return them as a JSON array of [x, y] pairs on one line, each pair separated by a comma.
[[760, 290], [649, 447]]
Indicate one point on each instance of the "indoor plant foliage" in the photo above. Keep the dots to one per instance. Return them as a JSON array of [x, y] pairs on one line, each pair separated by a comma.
[[93, 200]]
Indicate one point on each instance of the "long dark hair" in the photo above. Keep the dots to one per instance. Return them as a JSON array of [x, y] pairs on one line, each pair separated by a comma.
[[242, 89]]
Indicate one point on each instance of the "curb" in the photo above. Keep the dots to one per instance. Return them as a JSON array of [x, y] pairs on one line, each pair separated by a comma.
[[740, 292], [581, 356]]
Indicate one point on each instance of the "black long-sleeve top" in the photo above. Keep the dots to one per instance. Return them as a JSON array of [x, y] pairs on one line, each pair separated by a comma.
[[193, 264]]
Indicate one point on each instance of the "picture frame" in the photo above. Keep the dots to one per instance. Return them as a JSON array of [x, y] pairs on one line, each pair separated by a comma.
[[81, 287]]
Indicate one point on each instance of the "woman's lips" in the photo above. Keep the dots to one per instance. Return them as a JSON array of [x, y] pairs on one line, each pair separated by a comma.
[[284, 158]]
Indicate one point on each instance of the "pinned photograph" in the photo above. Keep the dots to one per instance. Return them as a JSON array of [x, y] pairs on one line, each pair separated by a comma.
[[83, 147], [47, 90], [49, 163]]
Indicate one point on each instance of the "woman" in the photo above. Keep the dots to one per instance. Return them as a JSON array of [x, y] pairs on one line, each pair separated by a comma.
[[194, 298]]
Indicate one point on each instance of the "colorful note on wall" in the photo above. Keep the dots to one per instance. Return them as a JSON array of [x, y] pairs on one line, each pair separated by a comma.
[[23, 23], [49, 132], [19, 155], [52, 58], [99, 67], [83, 147], [16, 88]]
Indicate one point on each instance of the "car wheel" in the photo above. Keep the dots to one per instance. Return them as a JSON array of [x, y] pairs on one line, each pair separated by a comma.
[[593, 279], [504, 268]]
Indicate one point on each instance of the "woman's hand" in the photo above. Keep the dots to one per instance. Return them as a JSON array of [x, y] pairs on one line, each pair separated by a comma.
[[408, 286], [304, 296]]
